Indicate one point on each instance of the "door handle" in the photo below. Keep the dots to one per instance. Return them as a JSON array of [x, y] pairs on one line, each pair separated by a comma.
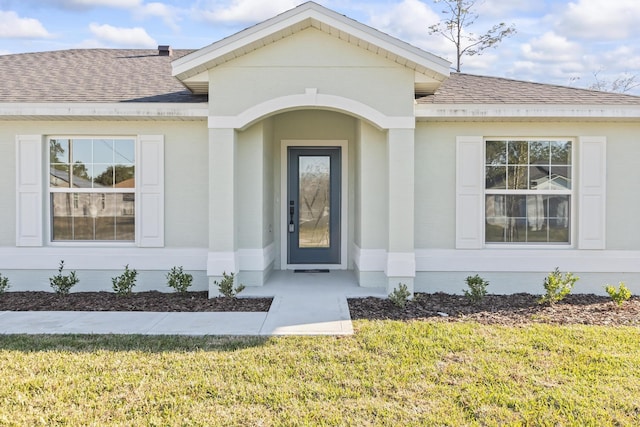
[[292, 210]]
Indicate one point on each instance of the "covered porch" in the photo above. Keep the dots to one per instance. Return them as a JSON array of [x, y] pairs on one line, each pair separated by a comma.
[[259, 205]]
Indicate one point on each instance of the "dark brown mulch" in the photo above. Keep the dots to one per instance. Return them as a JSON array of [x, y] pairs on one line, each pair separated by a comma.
[[516, 309], [138, 301]]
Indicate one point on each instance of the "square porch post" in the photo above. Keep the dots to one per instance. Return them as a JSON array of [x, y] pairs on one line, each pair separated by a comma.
[[401, 264], [222, 205]]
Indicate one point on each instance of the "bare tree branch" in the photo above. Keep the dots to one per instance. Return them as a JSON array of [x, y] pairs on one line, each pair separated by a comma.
[[460, 16], [622, 84]]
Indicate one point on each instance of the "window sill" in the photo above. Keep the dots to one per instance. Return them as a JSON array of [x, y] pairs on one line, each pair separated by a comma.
[[517, 246]]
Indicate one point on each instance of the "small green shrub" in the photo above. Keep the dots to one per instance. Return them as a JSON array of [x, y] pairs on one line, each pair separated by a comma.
[[477, 288], [4, 284], [620, 295], [400, 295], [557, 286], [179, 280], [61, 283], [123, 284], [226, 286]]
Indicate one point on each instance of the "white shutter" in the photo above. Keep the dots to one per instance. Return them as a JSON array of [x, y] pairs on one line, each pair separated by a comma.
[[150, 191], [29, 215], [469, 192], [592, 192]]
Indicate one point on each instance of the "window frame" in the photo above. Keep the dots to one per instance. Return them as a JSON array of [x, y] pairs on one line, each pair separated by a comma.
[[49, 191], [572, 193]]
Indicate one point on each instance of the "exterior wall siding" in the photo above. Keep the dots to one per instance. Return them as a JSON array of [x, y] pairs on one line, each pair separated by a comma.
[[443, 268], [332, 67], [186, 172], [186, 211]]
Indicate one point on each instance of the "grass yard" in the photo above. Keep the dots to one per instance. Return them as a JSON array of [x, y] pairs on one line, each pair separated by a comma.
[[388, 373]]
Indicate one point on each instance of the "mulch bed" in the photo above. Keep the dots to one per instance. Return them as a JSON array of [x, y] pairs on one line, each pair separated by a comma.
[[138, 301], [516, 309]]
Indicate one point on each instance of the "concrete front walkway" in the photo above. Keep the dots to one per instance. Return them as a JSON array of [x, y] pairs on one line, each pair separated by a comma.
[[303, 304]]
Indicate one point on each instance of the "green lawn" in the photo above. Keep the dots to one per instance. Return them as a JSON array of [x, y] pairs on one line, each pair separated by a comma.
[[388, 373]]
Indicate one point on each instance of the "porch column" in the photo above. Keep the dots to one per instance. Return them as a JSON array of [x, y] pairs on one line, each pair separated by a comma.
[[401, 260], [222, 205]]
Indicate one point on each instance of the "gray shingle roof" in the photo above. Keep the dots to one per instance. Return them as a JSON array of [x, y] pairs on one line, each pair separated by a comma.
[[470, 89], [141, 75], [92, 75]]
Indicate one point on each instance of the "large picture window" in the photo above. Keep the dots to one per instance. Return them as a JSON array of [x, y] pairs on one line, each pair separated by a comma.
[[92, 189], [528, 190]]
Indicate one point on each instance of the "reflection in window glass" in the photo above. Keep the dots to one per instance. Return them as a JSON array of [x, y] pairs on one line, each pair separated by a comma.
[[315, 202], [103, 151], [93, 216], [92, 163], [526, 219], [92, 184], [528, 191]]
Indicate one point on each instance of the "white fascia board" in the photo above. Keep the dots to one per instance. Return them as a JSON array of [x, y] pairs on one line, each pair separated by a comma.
[[479, 111], [391, 44], [116, 109], [190, 64]]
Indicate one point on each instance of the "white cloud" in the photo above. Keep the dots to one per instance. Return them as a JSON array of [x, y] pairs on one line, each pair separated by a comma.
[[551, 58], [501, 8], [87, 4], [126, 37], [245, 11], [611, 64], [600, 19], [551, 48], [169, 15], [13, 26], [409, 21]]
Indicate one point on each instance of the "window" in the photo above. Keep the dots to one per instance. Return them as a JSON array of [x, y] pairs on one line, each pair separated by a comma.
[[92, 189], [528, 189]]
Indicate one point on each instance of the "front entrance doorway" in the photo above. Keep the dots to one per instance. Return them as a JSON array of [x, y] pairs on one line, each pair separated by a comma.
[[314, 205]]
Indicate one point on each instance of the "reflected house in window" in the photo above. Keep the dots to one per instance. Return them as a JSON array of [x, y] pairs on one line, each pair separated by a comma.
[[528, 191], [103, 207], [553, 182]]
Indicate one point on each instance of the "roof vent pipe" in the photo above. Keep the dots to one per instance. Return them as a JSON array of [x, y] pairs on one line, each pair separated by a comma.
[[165, 50]]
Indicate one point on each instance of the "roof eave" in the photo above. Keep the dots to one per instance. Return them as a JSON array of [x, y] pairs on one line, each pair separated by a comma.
[[526, 111], [114, 110]]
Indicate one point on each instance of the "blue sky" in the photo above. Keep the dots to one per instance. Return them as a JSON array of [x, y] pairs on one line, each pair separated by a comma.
[[562, 42]]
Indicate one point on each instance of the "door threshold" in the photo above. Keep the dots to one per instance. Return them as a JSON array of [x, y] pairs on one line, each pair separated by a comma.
[[311, 270]]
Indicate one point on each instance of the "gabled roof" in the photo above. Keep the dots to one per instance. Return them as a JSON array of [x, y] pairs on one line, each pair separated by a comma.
[[92, 75], [462, 88], [190, 69]]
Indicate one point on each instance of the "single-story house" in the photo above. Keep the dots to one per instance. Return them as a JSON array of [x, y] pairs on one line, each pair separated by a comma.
[[310, 141]]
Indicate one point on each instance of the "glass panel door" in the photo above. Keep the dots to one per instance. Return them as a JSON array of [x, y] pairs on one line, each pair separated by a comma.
[[313, 221]]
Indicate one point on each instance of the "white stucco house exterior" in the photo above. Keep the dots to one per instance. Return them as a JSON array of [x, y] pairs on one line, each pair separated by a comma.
[[311, 141]]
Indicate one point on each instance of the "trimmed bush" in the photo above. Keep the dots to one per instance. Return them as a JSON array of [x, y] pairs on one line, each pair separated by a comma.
[[477, 288], [123, 284], [557, 286], [620, 295], [61, 283], [226, 286], [179, 280], [4, 284], [400, 295]]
